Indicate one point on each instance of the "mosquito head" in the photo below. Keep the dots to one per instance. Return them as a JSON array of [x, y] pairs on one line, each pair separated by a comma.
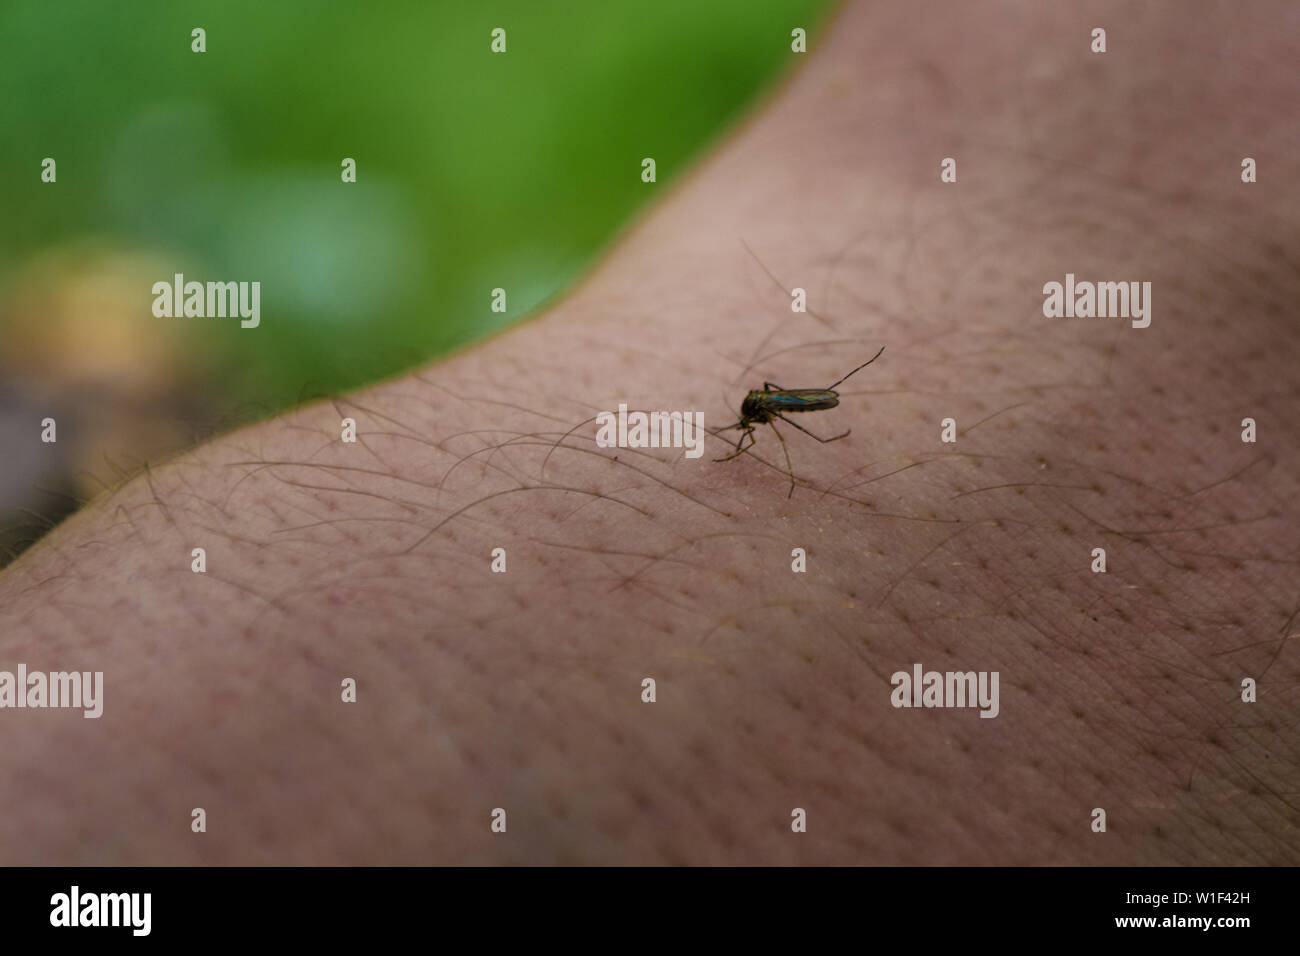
[[754, 409]]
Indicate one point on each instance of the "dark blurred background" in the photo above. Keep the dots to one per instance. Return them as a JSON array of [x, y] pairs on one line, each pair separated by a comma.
[[475, 170]]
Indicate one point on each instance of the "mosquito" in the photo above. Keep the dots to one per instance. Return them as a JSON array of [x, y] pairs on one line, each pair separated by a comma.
[[760, 408]]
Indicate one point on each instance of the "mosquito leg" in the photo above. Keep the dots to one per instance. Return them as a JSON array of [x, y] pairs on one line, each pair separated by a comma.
[[772, 387], [745, 433], [807, 432], [789, 468], [717, 432]]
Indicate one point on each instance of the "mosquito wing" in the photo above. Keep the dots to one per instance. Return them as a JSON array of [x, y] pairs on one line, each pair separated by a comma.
[[801, 399]]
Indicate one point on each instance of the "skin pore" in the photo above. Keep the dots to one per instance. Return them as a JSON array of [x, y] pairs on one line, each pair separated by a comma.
[[478, 690]]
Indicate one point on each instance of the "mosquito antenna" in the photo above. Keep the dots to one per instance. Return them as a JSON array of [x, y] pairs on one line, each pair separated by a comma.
[[831, 387]]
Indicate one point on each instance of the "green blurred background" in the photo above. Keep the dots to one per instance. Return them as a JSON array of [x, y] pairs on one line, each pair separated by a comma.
[[475, 170]]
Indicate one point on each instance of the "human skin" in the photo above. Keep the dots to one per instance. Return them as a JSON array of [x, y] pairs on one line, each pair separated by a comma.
[[522, 690]]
